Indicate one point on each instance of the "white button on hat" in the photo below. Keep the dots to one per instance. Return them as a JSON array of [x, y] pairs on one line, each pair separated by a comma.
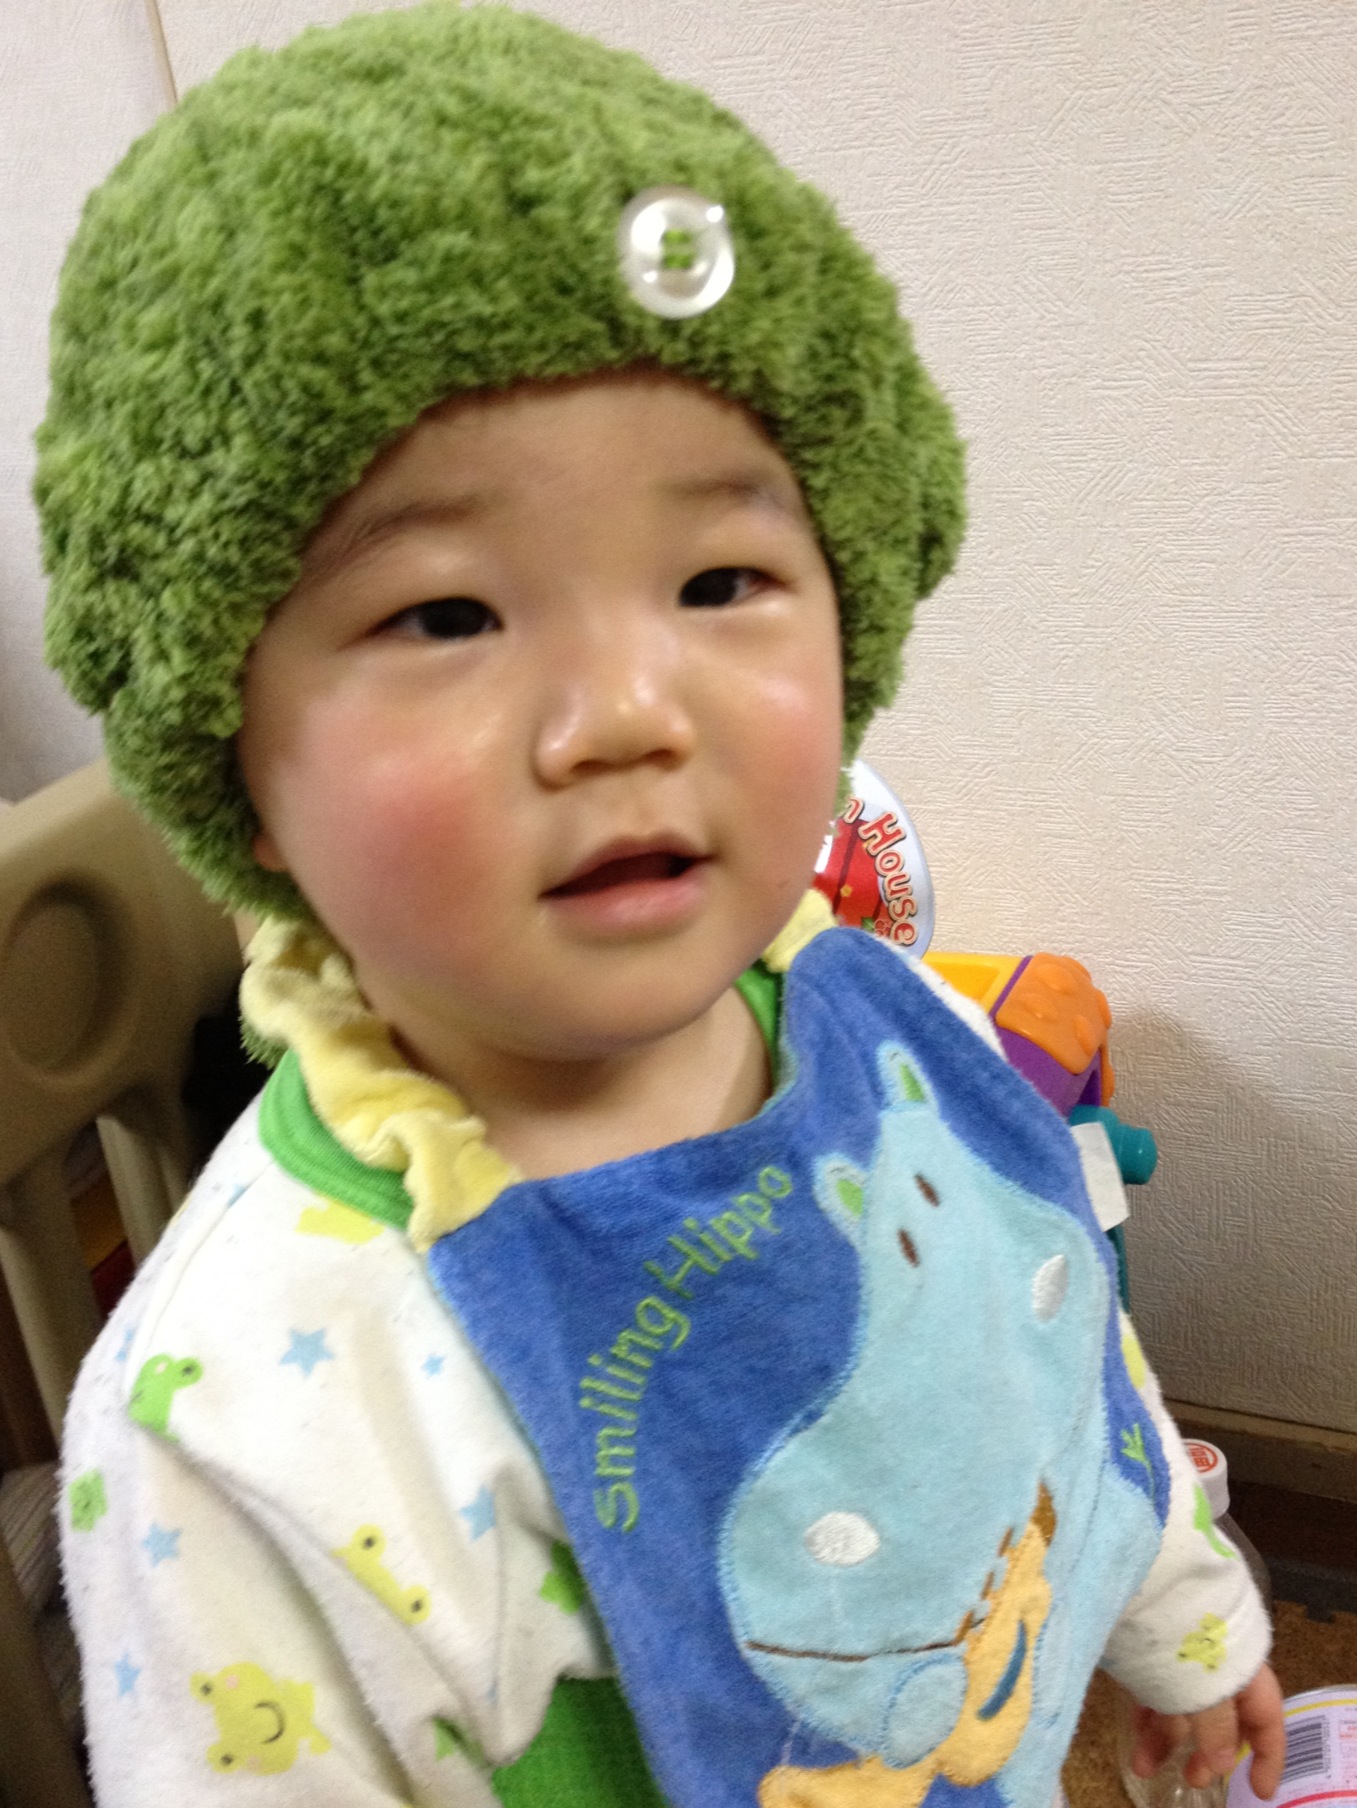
[[675, 250]]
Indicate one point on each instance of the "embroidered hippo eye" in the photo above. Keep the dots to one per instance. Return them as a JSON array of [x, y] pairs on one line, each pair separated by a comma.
[[926, 1187], [1049, 1285], [842, 1539], [907, 1245]]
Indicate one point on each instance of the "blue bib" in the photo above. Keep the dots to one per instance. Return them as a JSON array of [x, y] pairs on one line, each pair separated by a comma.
[[834, 1409]]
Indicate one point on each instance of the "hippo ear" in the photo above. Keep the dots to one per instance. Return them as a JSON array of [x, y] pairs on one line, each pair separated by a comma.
[[841, 1189], [903, 1082]]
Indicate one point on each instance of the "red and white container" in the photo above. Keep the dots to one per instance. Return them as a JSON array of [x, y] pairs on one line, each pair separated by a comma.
[[872, 867], [1321, 1753]]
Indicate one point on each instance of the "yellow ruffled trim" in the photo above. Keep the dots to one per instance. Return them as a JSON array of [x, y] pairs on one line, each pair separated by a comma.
[[299, 989], [811, 917]]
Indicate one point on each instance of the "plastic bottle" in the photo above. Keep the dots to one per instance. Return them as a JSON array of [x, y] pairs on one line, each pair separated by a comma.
[[1214, 1475], [1168, 1787]]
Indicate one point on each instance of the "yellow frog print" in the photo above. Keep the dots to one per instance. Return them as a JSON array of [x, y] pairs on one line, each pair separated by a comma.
[[1205, 1645], [362, 1557], [1133, 1356], [342, 1222], [261, 1720]]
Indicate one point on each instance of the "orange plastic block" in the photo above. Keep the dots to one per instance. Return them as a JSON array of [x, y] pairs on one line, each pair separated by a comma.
[[980, 976], [1056, 1005]]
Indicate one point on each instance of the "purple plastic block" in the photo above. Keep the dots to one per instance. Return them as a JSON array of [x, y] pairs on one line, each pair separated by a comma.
[[1055, 1083], [1093, 1082]]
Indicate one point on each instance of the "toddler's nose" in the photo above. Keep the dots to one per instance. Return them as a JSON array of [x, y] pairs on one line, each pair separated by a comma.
[[614, 702]]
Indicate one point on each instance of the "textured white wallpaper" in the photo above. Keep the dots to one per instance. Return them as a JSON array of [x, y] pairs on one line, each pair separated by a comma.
[[1127, 237], [76, 85]]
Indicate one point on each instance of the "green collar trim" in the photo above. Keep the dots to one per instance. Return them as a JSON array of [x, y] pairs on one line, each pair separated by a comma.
[[761, 990], [307, 1149]]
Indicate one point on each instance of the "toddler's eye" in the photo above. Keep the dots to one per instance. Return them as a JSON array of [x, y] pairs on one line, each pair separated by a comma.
[[723, 584], [445, 618]]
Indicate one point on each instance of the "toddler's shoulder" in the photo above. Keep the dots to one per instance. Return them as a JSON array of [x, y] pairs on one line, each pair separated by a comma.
[[251, 1242], [910, 964], [252, 1272], [277, 1333]]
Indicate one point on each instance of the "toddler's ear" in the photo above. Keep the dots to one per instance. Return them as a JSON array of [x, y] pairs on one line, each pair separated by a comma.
[[266, 851]]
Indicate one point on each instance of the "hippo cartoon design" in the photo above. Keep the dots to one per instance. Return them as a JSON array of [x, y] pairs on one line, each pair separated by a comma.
[[899, 1567]]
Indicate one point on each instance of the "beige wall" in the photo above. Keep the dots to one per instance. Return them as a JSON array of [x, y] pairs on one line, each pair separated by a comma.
[[1128, 239], [77, 83]]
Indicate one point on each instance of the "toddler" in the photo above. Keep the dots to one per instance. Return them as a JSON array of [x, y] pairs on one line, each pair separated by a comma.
[[644, 1345]]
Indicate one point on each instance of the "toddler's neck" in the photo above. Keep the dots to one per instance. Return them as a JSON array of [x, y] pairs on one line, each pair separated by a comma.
[[551, 1118]]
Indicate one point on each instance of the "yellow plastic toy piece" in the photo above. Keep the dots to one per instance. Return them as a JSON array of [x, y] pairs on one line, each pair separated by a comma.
[[979, 976]]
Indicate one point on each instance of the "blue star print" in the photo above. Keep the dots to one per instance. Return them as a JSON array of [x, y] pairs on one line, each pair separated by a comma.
[[127, 1673], [126, 1344], [480, 1515], [307, 1349], [159, 1544], [432, 1365]]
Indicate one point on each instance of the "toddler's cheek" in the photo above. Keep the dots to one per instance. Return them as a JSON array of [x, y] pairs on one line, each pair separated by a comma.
[[798, 751], [393, 840]]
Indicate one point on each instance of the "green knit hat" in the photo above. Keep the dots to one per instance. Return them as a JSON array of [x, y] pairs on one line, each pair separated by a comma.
[[320, 243]]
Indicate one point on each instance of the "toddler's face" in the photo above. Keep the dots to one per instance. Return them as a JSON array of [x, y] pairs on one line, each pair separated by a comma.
[[549, 730]]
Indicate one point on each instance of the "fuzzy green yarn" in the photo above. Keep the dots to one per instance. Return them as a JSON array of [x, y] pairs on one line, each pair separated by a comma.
[[320, 243]]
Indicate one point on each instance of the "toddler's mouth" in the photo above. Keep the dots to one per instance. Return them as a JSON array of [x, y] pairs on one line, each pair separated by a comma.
[[654, 866]]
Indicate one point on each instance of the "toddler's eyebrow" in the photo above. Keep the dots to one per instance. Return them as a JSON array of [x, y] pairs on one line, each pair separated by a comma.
[[362, 537], [756, 489]]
